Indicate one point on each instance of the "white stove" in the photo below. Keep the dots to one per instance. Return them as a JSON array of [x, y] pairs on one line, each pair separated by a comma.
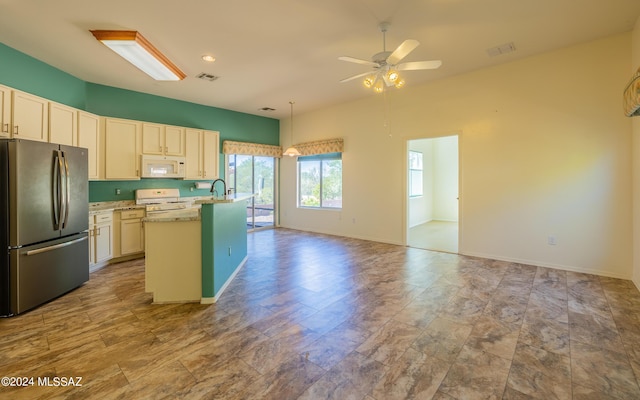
[[161, 200]]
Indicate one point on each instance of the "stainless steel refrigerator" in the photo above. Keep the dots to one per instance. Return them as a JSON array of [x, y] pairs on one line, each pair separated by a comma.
[[44, 212]]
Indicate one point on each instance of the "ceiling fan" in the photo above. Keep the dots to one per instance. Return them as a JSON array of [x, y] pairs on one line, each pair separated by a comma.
[[386, 64]]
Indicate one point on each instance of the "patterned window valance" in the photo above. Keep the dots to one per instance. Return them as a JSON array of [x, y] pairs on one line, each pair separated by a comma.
[[251, 149], [632, 96], [321, 147]]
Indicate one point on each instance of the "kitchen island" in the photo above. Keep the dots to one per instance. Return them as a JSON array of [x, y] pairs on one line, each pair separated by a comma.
[[192, 258]]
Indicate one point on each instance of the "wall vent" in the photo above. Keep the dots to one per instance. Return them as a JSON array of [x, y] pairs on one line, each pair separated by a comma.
[[207, 77], [502, 49]]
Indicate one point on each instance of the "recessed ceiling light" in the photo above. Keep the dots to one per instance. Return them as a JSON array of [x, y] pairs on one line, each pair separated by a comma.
[[208, 58]]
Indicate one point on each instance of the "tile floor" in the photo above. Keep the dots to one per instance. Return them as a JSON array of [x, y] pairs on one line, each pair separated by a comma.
[[321, 317]]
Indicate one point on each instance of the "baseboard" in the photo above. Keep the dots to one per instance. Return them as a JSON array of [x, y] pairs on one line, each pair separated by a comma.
[[211, 300], [534, 263], [368, 238]]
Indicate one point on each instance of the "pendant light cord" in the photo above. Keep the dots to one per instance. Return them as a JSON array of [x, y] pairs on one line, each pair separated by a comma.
[[291, 102]]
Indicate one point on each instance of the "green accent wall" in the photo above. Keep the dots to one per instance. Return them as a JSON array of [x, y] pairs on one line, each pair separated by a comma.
[[106, 190], [224, 244], [23, 72], [232, 125]]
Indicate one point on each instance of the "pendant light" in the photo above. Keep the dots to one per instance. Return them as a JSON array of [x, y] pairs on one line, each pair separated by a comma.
[[292, 151]]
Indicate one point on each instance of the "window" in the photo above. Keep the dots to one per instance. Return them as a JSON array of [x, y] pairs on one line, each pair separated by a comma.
[[320, 181], [254, 174], [415, 174]]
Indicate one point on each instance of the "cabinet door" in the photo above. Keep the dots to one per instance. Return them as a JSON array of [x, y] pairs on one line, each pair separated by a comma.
[[131, 236], [104, 242], [89, 138], [30, 117], [173, 141], [121, 149], [152, 139], [210, 150], [5, 112], [62, 124], [193, 163]]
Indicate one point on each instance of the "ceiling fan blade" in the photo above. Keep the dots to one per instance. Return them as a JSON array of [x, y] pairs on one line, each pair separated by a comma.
[[410, 66], [402, 51], [355, 77], [358, 61]]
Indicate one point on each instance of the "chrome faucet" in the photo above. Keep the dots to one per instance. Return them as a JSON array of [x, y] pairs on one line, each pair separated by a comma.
[[224, 187]]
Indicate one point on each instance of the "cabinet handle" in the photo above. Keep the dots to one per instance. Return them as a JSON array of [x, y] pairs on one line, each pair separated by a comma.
[[98, 231], [6, 128], [15, 130]]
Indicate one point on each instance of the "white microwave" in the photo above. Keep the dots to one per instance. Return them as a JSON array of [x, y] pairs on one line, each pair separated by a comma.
[[162, 166]]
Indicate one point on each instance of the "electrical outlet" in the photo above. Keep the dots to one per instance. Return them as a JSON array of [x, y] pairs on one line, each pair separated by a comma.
[[118, 191]]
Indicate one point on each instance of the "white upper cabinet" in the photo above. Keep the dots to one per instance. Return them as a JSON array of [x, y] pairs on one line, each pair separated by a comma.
[[121, 148], [174, 140], [62, 124], [162, 140], [30, 117], [89, 138], [201, 150], [5, 112]]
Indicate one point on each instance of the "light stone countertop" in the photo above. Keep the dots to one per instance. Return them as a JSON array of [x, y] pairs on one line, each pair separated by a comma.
[[229, 198], [110, 206]]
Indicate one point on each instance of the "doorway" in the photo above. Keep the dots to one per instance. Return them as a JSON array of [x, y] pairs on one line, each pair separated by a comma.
[[254, 174], [432, 195]]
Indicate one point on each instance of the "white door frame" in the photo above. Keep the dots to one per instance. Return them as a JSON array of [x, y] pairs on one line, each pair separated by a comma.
[[405, 192]]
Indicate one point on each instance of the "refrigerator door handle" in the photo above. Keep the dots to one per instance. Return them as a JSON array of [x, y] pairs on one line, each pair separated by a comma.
[[55, 246], [57, 194], [67, 191]]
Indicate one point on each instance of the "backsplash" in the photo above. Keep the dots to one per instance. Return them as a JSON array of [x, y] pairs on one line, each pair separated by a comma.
[[106, 190]]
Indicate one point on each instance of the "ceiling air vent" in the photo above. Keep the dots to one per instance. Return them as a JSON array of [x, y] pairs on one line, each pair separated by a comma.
[[502, 49], [267, 109], [207, 77]]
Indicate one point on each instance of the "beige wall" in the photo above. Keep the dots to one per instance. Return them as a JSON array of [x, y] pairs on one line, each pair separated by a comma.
[[635, 64], [545, 150]]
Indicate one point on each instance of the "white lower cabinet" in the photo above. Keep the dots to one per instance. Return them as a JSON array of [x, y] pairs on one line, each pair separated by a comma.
[[131, 232], [100, 238]]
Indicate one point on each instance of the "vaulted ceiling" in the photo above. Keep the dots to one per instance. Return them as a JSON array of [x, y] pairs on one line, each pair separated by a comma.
[[271, 52]]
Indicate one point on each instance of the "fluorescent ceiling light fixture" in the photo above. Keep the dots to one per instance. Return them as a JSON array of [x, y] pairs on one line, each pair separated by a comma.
[[133, 47]]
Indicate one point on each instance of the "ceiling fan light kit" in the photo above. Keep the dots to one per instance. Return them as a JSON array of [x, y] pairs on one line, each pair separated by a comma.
[[386, 64]]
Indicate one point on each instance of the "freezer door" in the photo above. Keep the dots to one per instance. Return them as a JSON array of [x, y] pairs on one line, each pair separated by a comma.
[[75, 189], [32, 199], [43, 272]]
